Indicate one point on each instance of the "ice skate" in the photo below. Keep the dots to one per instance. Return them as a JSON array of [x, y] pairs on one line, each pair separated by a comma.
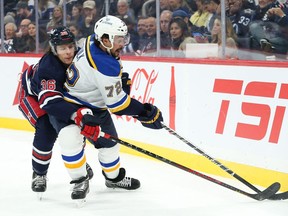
[[122, 181], [80, 190], [39, 184], [90, 172]]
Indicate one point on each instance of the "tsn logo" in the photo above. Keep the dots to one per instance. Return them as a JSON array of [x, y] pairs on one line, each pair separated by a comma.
[[270, 117]]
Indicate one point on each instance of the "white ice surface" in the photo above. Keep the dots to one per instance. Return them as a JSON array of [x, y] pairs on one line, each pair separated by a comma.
[[165, 190]]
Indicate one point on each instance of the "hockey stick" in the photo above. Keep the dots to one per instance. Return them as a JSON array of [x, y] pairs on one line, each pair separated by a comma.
[[279, 196], [262, 195]]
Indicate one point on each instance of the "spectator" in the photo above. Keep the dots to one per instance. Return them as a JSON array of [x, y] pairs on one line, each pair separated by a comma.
[[23, 12], [57, 19], [200, 19], [180, 36], [10, 29], [149, 46], [261, 9], [45, 11], [240, 19], [269, 27], [74, 28], [31, 40], [20, 41], [124, 11], [213, 7], [69, 4], [181, 14], [76, 14], [9, 19], [90, 17], [133, 35], [139, 40], [141, 27], [231, 51], [164, 5], [199, 37], [249, 4], [142, 35], [31, 6], [216, 30], [165, 19]]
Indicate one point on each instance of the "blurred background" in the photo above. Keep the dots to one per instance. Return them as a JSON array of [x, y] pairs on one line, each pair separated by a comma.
[[211, 29]]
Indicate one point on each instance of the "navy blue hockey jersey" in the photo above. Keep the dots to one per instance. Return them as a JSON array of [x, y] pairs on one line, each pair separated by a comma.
[[47, 83]]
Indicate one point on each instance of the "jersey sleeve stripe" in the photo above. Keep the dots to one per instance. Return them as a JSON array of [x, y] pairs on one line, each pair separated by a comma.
[[48, 96], [121, 105]]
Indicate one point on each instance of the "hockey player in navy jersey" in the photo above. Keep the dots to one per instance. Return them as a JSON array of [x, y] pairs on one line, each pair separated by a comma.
[[44, 82], [94, 84]]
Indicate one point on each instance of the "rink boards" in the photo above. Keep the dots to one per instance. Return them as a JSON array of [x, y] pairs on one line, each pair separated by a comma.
[[235, 113]]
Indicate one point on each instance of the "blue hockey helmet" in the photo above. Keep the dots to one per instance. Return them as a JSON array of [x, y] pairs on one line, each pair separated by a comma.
[[59, 36]]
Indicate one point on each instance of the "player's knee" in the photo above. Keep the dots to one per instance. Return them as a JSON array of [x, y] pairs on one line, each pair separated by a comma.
[[70, 138]]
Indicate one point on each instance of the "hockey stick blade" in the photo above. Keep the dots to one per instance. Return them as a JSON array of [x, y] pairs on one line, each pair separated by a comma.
[[269, 192], [261, 195], [220, 165], [279, 196]]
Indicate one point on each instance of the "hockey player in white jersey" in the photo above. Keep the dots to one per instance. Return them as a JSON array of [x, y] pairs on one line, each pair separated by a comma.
[[94, 84]]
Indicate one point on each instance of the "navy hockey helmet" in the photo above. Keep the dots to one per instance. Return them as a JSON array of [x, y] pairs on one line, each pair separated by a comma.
[[59, 36]]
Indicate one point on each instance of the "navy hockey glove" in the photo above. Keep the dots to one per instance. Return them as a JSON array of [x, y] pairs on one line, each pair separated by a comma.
[[126, 83], [89, 125], [151, 117]]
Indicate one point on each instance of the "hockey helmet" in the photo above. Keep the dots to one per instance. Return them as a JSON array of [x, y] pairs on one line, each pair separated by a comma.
[[59, 36], [112, 26]]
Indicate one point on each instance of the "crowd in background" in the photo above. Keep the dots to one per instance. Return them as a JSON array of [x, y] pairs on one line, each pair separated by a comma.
[[259, 26]]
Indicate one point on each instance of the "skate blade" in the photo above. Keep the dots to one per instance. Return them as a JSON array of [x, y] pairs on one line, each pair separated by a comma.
[[39, 196], [80, 202]]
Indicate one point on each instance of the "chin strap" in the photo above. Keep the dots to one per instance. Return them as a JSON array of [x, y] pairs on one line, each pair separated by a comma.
[[107, 48]]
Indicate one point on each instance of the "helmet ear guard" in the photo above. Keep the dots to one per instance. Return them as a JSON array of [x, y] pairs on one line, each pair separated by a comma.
[[53, 48]]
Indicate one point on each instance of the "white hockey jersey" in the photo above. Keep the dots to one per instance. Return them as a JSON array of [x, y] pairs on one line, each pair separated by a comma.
[[94, 79]]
